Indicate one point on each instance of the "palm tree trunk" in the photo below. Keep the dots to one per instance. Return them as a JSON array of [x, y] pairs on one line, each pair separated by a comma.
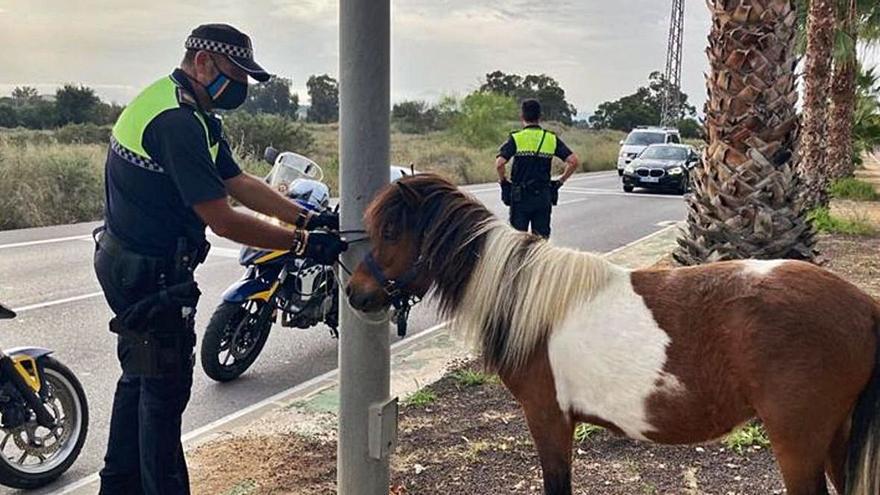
[[746, 194], [821, 27], [840, 127]]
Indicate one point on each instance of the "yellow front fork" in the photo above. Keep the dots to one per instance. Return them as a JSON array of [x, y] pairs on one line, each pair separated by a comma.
[[26, 366]]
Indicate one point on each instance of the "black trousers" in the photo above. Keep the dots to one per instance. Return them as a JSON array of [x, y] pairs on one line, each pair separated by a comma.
[[144, 452], [534, 213]]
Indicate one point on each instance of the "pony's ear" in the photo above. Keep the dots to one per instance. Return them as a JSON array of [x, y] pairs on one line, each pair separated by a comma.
[[410, 196]]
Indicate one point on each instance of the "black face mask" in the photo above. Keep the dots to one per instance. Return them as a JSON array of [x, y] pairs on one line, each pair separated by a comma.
[[225, 92]]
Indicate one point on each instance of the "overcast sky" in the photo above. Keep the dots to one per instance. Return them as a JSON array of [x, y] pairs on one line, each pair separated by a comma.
[[597, 49]]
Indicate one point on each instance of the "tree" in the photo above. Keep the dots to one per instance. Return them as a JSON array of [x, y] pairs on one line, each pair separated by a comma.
[[859, 21], [415, 117], [866, 125], [540, 87], [25, 94], [746, 194], [643, 107], [820, 30], [324, 93], [76, 104], [8, 115], [482, 118], [274, 97]]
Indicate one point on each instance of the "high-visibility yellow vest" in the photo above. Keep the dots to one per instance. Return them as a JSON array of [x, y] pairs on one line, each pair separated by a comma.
[[534, 141], [127, 138]]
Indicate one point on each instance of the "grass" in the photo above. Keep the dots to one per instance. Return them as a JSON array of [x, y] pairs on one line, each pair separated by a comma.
[[420, 398], [586, 431], [50, 184], [44, 181], [471, 378], [854, 189], [824, 221], [750, 435]]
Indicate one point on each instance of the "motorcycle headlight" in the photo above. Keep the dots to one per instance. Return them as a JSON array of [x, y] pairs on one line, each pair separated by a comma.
[[675, 171]]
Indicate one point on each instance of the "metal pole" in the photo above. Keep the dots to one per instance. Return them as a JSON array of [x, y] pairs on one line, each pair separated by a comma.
[[367, 417]]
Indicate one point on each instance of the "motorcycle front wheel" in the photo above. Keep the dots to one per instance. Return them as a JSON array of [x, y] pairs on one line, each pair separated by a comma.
[[234, 338], [31, 455]]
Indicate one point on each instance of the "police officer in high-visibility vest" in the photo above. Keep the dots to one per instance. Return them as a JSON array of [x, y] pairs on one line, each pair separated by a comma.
[[169, 173], [530, 193]]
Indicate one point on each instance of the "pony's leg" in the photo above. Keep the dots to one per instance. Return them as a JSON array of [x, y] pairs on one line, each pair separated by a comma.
[[835, 464], [801, 455], [552, 432]]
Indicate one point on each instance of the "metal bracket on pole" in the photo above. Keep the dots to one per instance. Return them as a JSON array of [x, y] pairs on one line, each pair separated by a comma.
[[383, 429]]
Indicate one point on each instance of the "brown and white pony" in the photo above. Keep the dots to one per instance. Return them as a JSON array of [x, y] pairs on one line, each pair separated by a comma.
[[670, 356]]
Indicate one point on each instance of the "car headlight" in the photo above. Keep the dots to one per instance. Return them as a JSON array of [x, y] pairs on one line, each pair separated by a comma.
[[629, 169], [675, 171]]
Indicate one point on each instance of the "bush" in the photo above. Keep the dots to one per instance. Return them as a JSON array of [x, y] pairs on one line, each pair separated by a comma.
[[854, 189], [483, 119], [83, 134], [250, 134], [50, 185], [824, 221], [415, 117]]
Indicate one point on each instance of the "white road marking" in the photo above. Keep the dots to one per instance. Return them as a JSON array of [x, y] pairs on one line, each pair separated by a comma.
[[572, 201], [585, 177], [56, 302], [46, 241]]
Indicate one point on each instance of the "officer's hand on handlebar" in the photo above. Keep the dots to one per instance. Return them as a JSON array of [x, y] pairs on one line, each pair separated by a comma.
[[327, 219], [324, 247]]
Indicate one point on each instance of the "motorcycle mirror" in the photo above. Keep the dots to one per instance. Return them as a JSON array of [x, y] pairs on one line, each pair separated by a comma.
[[6, 313], [412, 168], [270, 154]]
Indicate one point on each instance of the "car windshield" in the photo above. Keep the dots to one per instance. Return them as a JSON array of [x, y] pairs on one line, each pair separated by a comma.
[[645, 138], [665, 153]]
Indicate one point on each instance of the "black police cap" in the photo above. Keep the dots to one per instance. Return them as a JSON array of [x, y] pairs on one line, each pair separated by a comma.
[[226, 40]]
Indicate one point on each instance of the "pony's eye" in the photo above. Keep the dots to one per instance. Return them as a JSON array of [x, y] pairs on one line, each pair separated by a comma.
[[389, 233]]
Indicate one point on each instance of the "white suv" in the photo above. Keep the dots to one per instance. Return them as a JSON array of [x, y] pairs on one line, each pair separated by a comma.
[[640, 138]]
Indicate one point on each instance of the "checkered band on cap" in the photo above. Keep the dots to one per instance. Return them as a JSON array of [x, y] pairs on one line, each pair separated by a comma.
[[135, 159], [193, 43]]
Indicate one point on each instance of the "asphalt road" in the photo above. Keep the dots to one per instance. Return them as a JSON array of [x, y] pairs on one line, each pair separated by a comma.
[[46, 275]]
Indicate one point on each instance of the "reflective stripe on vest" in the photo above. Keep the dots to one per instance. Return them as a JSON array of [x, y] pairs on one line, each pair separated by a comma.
[[529, 142], [128, 134]]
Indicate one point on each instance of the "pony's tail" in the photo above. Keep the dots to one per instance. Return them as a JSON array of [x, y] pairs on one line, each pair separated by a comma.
[[863, 457]]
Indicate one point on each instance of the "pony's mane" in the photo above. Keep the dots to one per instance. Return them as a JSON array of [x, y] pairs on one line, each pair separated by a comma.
[[504, 290]]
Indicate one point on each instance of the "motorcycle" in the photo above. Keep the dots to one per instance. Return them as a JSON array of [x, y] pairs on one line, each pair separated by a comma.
[[44, 416], [276, 284]]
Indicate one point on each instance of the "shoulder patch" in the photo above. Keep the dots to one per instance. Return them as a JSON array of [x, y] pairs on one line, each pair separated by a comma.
[[186, 99]]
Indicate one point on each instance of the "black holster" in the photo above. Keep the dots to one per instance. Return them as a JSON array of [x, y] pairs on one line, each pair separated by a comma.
[[157, 331], [506, 190]]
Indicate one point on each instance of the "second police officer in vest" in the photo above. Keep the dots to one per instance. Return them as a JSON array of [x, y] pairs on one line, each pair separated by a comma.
[[168, 174], [530, 193]]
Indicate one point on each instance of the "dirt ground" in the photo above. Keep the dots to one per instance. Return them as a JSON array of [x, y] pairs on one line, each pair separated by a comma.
[[473, 440]]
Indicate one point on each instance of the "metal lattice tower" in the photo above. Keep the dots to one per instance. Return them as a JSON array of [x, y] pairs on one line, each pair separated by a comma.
[[671, 105]]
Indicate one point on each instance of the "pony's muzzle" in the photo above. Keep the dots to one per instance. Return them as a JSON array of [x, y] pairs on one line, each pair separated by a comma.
[[370, 301]]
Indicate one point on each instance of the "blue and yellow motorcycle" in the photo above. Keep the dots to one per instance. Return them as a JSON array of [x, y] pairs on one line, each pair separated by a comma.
[[44, 416], [276, 285]]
